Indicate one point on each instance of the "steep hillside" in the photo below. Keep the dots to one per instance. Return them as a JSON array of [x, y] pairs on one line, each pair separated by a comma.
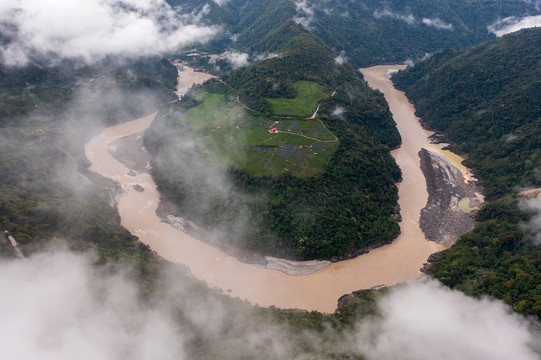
[[45, 116], [369, 32], [373, 32], [486, 100]]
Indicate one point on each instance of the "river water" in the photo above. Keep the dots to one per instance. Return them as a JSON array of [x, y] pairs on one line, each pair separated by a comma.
[[390, 264]]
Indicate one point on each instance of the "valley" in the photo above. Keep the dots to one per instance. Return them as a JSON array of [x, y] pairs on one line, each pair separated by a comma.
[[388, 265], [240, 179]]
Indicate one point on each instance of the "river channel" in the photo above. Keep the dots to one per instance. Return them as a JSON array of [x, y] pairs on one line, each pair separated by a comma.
[[390, 264]]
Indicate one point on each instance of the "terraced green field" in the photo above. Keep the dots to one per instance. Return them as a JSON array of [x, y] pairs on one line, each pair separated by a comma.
[[301, 147], [304, 104]]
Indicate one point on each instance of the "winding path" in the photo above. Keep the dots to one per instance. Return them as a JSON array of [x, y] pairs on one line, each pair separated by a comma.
[[390, 264]]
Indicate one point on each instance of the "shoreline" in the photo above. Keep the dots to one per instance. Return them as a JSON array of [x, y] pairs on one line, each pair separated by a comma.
[[443, 220], [390, 264], [130, 151]]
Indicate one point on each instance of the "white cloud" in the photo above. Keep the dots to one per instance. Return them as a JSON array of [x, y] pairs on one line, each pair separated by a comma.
[[341, 59], [408, 18], [304, 15], [93, 29], [265, 56], [512, 24], [60, 305], [424, 320], [409, 63], [533, 227], [221, 2], [236, 59], [57, 305], [339, 111], [437, 23]]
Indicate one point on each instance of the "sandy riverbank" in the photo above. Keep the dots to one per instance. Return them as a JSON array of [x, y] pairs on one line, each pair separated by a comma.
[[390, 264]]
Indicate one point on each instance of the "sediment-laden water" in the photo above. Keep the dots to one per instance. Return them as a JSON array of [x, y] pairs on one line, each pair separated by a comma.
[[390, 264]]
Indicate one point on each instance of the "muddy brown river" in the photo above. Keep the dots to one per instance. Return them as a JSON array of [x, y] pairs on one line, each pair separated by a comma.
[[390, 264]]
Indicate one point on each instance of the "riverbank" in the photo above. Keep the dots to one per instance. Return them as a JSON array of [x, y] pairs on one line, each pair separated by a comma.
[[452, 201], [390, 264]]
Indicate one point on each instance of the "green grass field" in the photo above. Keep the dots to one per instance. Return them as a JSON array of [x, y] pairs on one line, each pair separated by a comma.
[[301, 147], [309, 94]]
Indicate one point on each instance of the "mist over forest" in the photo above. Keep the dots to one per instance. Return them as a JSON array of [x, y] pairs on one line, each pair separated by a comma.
[[78, 284]]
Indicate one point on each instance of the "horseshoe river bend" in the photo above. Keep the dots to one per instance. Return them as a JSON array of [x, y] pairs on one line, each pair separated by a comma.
[[397, 262]]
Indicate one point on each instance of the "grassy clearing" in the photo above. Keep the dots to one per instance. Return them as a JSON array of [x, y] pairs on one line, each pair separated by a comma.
[[301, 147], [309, 94]]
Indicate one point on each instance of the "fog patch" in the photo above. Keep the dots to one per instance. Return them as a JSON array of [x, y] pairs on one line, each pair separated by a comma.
[[236, 59], [93, 29], [437, 23], [408, 18], [220, 2], [341, 59], [60, 306], [511, 24], [304, 15], [532, 228], [265, 56], [424, 320], [339, 112], [411, 63]]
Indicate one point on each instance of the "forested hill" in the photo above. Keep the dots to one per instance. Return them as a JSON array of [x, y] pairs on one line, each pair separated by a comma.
[[369, 32], [318, 188], [487, 101]]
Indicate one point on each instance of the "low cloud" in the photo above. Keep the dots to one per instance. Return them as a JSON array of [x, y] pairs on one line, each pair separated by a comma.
[[437, 23], [411, 63], [408, 18], [93, 29], [536, 3], [236, 59], [265, 56], [532, 228], [221, 2], [339, 111], [341, 59], [304, 15], [424, 320], [62, 307], [512, 24]]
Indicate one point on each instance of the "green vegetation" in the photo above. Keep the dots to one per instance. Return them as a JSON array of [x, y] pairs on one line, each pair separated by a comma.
[[486, 100], [220, 124], [45, 190], [326, 205], [47, 196], [496, 259], [304, 104], [337, 194], [369, 32]]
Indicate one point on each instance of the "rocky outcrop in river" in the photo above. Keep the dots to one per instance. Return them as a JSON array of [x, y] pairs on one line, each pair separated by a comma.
[[452, 202]]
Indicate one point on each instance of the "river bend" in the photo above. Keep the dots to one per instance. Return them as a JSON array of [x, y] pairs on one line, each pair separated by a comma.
[[390, 264]]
